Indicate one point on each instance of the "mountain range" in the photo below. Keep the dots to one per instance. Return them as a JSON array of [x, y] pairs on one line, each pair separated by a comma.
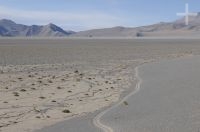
[[9, 28]]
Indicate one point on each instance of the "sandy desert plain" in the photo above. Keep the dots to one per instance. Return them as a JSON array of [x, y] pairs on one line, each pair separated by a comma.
[[46, 81]]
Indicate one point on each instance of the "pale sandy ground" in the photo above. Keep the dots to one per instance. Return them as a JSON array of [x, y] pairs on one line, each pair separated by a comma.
[[36, 97], [82, 77]]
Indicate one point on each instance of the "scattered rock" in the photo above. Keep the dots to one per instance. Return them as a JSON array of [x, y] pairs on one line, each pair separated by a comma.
[[39, 81], [42, 97], [66, 111], [125, 103], [112, 87], [53, 101], [16, 94], [23, 90], [30, 76], [76, 71], [59, 87], [49, 81], [33, 88], [38, 117]]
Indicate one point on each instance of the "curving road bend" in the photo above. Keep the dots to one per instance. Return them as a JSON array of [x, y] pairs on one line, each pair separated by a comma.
[[97, 120]]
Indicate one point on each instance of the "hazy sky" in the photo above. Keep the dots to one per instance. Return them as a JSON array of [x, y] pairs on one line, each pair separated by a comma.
[[86, 14]]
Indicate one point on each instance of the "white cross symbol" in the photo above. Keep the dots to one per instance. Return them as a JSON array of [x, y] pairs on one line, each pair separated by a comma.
[[187, 14]]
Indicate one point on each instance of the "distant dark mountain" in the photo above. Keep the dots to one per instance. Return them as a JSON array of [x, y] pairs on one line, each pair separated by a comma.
[[11, 29], [162, 29], [176, 28]]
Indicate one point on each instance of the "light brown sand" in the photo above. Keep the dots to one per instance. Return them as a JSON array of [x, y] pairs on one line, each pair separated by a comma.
[[40, 95], [94, 76]]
